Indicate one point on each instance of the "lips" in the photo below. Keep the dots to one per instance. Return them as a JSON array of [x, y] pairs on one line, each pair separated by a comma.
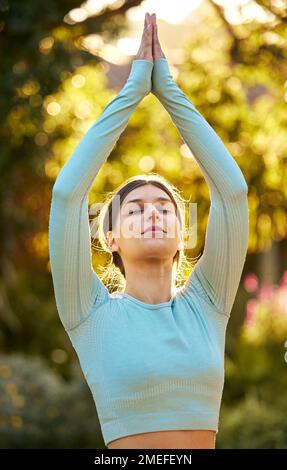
[[154, 228]]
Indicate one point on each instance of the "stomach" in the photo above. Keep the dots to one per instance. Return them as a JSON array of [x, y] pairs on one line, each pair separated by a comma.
[[176, 439]]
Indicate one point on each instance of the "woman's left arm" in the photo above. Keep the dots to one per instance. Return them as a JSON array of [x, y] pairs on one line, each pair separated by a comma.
[[217, 274]]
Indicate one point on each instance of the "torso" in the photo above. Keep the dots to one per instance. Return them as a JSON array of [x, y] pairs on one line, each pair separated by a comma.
[[182, 439]]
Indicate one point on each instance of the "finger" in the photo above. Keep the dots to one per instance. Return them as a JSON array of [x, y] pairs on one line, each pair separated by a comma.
[[148, 29], [148, 24], [155, 38], [149, 33], [154, 32], [147, 20], [153, 21]]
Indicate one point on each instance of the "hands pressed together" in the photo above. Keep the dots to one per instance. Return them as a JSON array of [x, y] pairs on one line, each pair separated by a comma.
[[150, 48]]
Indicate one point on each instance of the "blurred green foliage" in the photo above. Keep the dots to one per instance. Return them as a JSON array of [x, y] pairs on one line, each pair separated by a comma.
[[253, 424], [38, 409], [254, 408], [52, 90]]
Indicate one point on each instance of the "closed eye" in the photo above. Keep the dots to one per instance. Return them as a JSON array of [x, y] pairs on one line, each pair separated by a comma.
[[141, 210], [134, 211]]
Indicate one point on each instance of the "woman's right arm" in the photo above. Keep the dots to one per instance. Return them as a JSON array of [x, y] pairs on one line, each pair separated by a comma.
[[77, 286]]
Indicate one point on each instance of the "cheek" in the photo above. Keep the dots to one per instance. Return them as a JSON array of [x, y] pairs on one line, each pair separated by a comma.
[[131, 227], [173, 226]]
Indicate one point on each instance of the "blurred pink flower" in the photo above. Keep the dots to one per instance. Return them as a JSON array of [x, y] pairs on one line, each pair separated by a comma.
[[250, 310], [250, 282], [266, 313], [283, 280], [266, 291], [281, 299]]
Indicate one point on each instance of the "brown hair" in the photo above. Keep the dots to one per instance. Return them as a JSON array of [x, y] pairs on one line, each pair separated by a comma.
[[113, 275]]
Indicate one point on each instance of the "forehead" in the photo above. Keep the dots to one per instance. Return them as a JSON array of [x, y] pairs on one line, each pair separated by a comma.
[[147, 193]]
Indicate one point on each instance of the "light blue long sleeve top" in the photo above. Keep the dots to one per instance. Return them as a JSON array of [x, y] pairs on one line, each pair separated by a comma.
[[150, 367]]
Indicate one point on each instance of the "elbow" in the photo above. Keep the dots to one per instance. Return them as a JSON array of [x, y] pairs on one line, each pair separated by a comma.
[[238, 187], [240, 193], [57, 192], [237, 183], [243, 188], [64, 186], [239, 196], [236, 193], [60, 191]]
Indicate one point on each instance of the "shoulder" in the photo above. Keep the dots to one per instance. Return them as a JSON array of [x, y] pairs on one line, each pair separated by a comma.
[[197, 300]]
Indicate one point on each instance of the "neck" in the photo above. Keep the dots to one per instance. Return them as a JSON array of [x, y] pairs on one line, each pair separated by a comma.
[[150, 281]]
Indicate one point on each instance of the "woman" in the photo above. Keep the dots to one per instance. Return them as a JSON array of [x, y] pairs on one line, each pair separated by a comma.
[[152, 355]]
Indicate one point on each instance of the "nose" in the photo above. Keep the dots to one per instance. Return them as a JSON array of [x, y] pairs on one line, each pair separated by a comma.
[[152, 217], [153, 214]]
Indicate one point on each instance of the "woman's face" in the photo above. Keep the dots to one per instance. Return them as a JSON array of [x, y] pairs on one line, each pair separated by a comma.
[[141, 209]]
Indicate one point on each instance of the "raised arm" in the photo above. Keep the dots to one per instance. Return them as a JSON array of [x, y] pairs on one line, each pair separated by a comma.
[[77, 286], [217, 274]]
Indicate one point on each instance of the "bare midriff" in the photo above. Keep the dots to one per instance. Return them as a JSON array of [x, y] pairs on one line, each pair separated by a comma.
[[177, 439]]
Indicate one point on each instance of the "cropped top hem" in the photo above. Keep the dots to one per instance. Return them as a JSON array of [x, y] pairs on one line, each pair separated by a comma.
[[154, 422], [173, 404]]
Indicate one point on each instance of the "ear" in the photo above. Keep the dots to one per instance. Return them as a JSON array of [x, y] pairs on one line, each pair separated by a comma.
[[112, 243]]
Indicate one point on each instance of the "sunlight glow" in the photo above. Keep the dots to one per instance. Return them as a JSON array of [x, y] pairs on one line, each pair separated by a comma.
[[76, 16], [128, 46], [94, 7], [172, 12], [244, 11], [112, 54], [93, 43], [53, 108], [90, 8], [235, 11]]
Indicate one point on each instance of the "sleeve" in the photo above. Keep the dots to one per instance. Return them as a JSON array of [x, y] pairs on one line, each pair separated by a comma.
[[76, 285], [217, 274]]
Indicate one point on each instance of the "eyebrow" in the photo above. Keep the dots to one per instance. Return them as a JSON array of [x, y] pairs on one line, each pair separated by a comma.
[[163, 199]]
